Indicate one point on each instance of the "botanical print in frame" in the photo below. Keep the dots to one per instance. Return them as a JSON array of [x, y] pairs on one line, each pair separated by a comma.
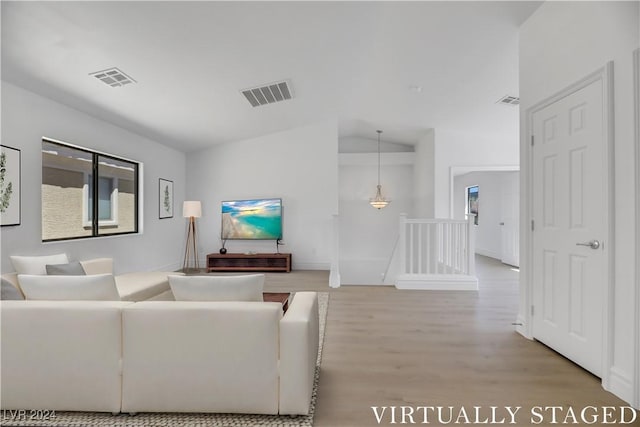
[[165, 198], [9, 185]]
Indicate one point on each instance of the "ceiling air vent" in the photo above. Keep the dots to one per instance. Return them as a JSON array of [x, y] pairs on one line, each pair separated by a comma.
[[509, 100], [113, 77], [268, 94]]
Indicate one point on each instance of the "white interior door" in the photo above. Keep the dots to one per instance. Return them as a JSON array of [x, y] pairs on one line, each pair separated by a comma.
[[569, 213], [510, 223]]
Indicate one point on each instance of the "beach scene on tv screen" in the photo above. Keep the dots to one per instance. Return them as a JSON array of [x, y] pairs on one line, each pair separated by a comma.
[[252, 219]]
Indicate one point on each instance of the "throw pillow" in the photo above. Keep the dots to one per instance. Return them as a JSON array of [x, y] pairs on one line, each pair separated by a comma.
[[9, 292], [71, 269], [36, 264], [217, 288], [100, 287]]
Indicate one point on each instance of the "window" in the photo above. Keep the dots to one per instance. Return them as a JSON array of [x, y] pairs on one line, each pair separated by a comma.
[[86, 194], [472, 202]]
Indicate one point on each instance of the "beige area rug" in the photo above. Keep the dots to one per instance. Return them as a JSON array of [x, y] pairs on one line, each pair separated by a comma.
[[90, 419]]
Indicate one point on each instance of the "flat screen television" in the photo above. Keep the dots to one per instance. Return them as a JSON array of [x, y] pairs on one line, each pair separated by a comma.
[[259, 219]]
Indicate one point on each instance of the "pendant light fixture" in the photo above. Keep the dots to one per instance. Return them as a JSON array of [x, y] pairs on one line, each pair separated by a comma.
[[379, 201]]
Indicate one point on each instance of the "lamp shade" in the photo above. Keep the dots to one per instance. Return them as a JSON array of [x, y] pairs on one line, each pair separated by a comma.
[[191, 209]]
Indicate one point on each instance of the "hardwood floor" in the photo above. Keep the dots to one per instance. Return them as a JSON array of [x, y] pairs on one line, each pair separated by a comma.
[[387, 347]]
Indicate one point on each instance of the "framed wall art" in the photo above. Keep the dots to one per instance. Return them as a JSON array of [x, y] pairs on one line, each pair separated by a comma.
[[9, 185], [473, 202], [165, 198]]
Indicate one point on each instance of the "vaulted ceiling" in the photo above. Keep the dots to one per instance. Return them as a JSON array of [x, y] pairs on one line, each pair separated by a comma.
[[402, 66]]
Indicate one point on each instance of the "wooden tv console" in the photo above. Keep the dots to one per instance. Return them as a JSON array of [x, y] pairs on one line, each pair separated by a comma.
[[249, 262]]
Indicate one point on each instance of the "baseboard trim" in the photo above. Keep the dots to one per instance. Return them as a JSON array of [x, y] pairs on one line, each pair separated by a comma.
[[174, 266], [365, 284], [521, 327], [437, 282], [488, 253], [311, 266], [620, 384]]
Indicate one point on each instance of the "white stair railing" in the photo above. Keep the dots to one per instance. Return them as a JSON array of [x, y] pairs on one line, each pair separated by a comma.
[[434, 248]]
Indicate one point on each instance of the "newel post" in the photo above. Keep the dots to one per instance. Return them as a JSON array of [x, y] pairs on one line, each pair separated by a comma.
[[334, 273], [471, 245], [402, 242]]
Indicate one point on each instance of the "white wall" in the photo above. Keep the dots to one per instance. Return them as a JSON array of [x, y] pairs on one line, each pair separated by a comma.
[[456, 149], [368, 235], [561, 43], [424, 176], [299, 165], [26, 118]]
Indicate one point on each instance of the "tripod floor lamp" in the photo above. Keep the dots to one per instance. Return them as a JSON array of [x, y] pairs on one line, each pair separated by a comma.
[[191, 210]]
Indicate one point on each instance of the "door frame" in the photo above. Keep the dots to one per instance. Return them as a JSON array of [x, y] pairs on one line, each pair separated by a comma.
[[517, 229], [636, 93], [525, 321]]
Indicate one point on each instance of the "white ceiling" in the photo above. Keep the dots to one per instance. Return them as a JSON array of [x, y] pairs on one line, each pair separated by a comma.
[[353, 62]]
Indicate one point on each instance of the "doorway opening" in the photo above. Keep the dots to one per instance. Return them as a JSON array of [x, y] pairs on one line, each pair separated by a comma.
[[494, 197]]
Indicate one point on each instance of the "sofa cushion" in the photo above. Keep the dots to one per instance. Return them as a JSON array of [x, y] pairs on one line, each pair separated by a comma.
[[141, 286], [200, 357], [62, 356], [71, 269], [217, 288], [101, 287], [98, 266], [36, 264], [10, 292]]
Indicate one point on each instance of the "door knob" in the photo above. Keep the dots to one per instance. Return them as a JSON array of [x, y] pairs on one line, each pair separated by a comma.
[[594, 244], [502, 223]]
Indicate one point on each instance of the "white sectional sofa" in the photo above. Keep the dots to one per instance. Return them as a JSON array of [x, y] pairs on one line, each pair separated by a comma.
[[159, 356], [135, 286]]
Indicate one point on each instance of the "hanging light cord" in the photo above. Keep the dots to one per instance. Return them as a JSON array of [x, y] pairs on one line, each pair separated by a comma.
[[379, 132]]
